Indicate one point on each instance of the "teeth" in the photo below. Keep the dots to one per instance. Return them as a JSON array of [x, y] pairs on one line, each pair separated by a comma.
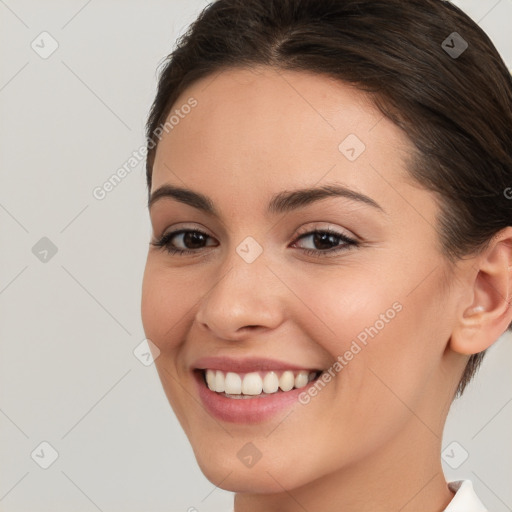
[[210, 379], [270, 383], [252, 384], [232, 383], [301, 380], [256, 383], [219, 381], [287, 381]]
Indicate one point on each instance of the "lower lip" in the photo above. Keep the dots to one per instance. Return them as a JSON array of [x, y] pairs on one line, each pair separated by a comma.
[[249, 410]]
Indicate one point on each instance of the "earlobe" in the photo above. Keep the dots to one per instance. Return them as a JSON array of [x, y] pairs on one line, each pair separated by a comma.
[[490, 312]]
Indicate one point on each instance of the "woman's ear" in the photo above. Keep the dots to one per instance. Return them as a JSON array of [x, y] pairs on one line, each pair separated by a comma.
[[490, 313]]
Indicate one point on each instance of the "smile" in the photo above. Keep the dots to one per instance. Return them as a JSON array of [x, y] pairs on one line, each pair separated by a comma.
[[250, 390], [257, 383]]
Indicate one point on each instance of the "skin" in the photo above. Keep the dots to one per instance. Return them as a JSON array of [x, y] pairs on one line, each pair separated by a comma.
[[371, 438]]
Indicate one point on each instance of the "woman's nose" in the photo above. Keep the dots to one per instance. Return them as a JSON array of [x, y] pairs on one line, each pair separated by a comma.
[[247, 296]]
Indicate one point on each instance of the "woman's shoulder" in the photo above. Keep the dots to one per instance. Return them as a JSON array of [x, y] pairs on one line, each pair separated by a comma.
[[465, 499]]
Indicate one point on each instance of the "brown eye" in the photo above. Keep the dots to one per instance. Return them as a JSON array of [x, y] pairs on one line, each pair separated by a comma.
[[326, 242], [192, 239]]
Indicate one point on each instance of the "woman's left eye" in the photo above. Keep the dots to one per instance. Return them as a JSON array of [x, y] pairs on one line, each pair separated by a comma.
[[334, 241], [328, 240]]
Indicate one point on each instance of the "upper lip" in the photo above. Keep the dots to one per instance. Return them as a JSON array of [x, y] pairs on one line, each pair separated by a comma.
[[245, 365]]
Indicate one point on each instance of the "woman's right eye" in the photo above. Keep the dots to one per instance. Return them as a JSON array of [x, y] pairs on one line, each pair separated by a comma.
[[186, 237]]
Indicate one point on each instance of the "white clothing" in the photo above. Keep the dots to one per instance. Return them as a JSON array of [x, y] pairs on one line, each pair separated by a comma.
[[465, 499]]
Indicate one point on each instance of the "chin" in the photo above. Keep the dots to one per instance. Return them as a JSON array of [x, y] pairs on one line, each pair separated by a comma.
[[226, 471], [247, 480]]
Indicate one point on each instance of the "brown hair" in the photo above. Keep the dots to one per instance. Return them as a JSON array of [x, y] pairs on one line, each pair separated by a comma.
[[455, 105]]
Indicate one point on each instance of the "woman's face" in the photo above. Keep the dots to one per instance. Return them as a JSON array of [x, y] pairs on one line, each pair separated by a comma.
[[265, 291]]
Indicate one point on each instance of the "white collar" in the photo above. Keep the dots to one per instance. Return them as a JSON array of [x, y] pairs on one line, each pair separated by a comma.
[[465, 499]]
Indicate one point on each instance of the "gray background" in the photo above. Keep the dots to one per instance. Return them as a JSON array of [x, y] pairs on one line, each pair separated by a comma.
[[69, 325]]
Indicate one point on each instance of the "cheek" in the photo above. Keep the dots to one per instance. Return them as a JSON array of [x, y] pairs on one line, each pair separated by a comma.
[[346, 305], [387, 334], [166, 301]]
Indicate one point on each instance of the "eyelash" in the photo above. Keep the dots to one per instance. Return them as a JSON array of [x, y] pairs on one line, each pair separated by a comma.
[[164, 242]]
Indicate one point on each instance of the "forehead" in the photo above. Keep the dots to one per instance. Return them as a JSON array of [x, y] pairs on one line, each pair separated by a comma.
[[263, 129]]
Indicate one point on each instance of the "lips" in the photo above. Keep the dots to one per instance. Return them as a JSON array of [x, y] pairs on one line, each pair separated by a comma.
[[258, 405]]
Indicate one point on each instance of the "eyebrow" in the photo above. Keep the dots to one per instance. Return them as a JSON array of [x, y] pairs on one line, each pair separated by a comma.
[[281, 202]]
